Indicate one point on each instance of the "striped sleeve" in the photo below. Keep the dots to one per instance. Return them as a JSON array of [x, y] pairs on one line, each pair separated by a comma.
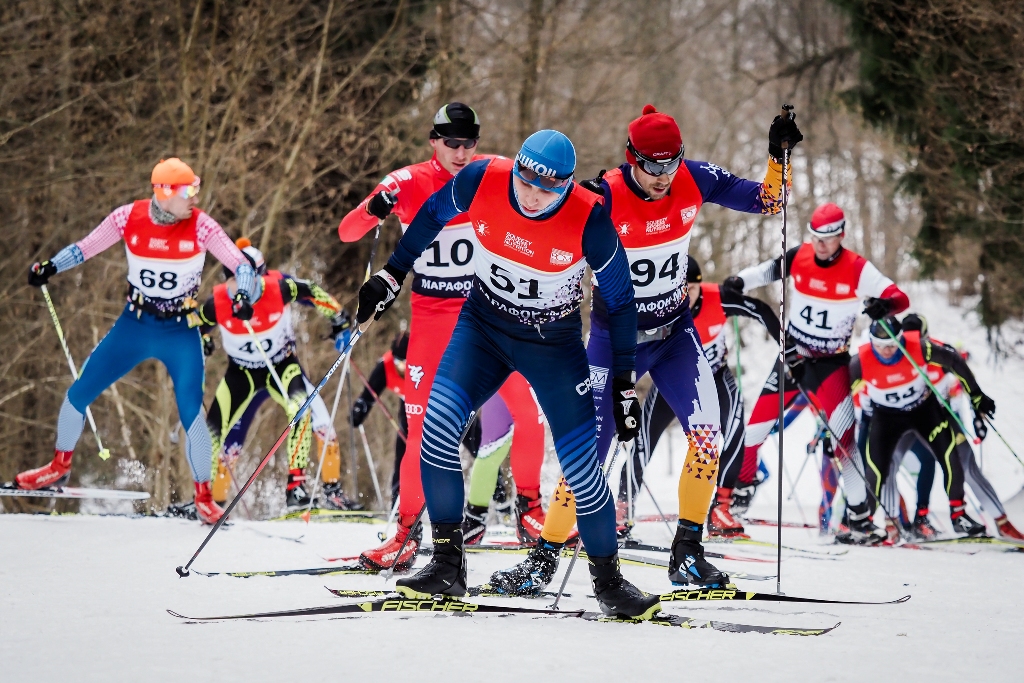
[[212, 238]]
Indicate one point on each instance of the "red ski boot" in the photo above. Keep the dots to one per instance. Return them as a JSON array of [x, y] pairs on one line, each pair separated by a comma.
[[383, 557], [54, 473], [721, 523], [529, 519], [1007, 529], [207, 510]]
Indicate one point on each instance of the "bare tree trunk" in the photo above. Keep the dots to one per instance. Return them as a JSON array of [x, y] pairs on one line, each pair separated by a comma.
[[531, 65]]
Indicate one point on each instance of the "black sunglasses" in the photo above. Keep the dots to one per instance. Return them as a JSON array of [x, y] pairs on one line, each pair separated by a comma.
[[455, 143], [653, 166]]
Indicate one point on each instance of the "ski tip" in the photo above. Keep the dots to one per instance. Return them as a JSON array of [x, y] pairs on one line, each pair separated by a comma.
[[175, 614], [182, 572], [903, 599]]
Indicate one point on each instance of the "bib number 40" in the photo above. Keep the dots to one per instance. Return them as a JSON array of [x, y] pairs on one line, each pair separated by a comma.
[[267, 344]]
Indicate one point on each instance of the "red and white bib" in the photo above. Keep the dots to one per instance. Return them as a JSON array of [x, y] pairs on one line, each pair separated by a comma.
[[165, 262], [898, 386], [710, 322], [656, 237], [271, 321], [531, 270]]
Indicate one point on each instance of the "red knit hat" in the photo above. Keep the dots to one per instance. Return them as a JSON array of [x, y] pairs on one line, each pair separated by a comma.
[[827, 220], [655, 136]]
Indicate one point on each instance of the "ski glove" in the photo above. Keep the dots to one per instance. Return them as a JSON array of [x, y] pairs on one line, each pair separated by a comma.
[[733, 283], [980, 428], [381, 204], [341, 330], [914, 322], [379, 293], [40, 273], [594, 184], [208, 346], [360, 409], [794, 363], [783, 130], [627, 407], [984, 404], [241, 307], [876, 309]]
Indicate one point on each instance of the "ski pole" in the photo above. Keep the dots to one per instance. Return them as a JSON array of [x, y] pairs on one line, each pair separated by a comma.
[[383, 535], [373, 470], [270, 366], [104, 452], [183, 571], [787, 113], [383, 408], [323, 451], [579, 541], [658, 508]]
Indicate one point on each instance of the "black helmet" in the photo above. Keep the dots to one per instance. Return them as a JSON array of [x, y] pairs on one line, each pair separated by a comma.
[[693, 270], [879, 335]]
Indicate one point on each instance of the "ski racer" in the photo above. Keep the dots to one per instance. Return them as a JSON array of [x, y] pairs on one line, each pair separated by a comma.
[[711, 307], [828, 283], [653, 200], [166, 239], [247, 371], [904, 408], [442, 279], [536, 231]]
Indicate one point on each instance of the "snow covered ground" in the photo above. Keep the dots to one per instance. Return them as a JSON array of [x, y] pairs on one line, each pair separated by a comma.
[[83, 598]]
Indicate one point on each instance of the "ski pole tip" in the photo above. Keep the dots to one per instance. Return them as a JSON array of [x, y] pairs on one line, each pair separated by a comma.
[[182, 572], [305, 516], [105, 454]]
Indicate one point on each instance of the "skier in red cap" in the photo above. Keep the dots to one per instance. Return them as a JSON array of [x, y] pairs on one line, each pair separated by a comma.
[[829, 283]]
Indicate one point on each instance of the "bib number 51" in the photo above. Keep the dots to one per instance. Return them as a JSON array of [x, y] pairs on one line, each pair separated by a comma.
[[501, 280]]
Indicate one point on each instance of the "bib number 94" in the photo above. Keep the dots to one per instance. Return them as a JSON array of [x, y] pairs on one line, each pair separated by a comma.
[[645, 270]]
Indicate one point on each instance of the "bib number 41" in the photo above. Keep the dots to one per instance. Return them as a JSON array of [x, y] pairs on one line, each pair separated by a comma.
[[817, 319]]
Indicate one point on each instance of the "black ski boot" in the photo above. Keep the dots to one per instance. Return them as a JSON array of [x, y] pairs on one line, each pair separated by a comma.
[[686, 563], [183, 510], [295, 497], [741, 497], [616, 596], [862, 531], [922, 529], [962, 524], [336, 499], [474, 524], [533, 574], [446, 572]]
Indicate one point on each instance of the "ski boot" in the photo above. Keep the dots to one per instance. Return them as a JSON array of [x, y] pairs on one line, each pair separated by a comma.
[[335, 498], [922, 529], [55, 473], [474, 524], [529, 518], [207, 511], [721, 523], [741, 497], [446, 572], [892, 534], [616, 596], [295, 497], [383, 557], [533, 574], [686, 563], [183, 510], [1007, 530], [962, 523], [862, 531]]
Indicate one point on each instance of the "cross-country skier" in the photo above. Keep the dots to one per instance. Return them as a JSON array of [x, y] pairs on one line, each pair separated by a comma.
[[653, 200], [442, 279], [536, 232], [166, 239], [904, 408], [247, 372], [829, 282], [711, 308]]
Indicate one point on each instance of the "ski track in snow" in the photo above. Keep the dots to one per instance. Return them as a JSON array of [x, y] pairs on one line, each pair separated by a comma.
[[83, 598]]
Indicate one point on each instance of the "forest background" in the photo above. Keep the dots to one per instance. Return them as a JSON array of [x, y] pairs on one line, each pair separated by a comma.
[[291, 111]]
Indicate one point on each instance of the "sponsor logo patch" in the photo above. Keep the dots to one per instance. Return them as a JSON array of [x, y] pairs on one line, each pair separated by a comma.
[[658, 225], [481, 228], [623, 228], [158, 243], [817, 284], [583, 387], [186, 245], [536, 167], [518, 243], [561, 258], [688, 214], [842, 288], [413, 409], [416, 374], [598, 377]]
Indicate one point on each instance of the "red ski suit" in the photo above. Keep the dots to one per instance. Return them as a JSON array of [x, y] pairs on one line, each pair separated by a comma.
[[442, 279]]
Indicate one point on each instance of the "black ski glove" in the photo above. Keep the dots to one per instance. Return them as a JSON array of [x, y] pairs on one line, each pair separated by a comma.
[[381, 204], [876, 309], [627, 407], [360, 409], [980, 428], [208, 346], [379, 293], [984, 404], [40, 273], [733, 283], [241, 307], [783, 130], [341, 330], [594, 184]]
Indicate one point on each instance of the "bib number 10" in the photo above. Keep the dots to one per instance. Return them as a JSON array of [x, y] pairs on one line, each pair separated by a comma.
[[163, 280], [817, 319], [461, 254]]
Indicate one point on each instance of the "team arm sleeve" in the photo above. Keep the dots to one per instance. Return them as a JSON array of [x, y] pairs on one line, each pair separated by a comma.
[[718, 186], [874, 284], [207, 316], [103, 236], [294, 289], [766, 272], [358, 222], [213, 239], [951, 361], [607, 258], [378, 381], [453, 198], [749, 307]]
